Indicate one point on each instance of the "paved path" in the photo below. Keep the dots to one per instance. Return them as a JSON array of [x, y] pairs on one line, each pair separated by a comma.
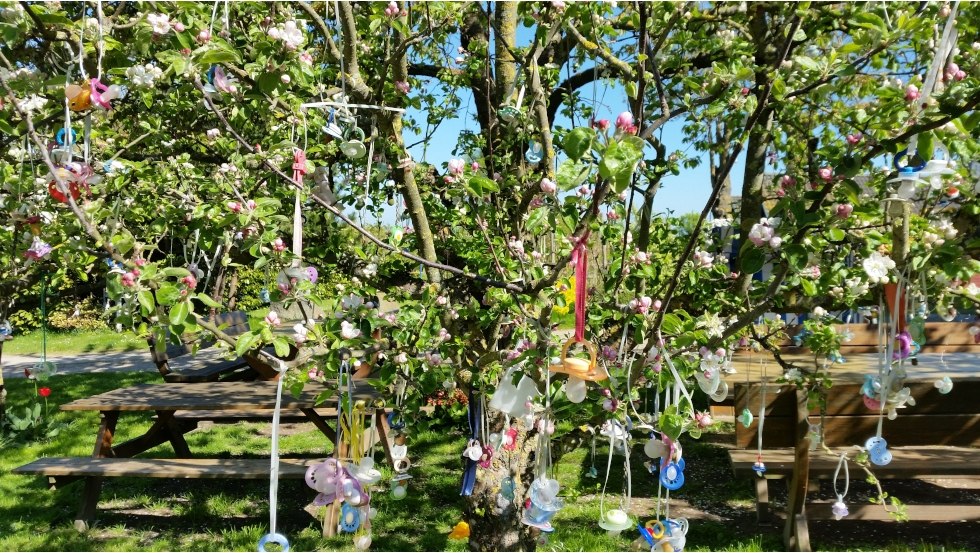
[[14, 365]]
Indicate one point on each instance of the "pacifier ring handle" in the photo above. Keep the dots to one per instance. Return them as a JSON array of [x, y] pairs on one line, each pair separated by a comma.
[[276, 538], [915, 162]]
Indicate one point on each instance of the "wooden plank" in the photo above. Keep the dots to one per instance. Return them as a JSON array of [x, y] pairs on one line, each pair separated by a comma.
[[938, 335], [248, 469], [907, 430], [208, 396], [285, 415], [907, 463], [946, 513]]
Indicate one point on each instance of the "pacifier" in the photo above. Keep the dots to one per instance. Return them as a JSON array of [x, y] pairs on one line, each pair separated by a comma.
[[746, 417], [672, 475], [944, 385], [399, 486], [655, 449], [615, 521], [759, 467], [878, 452], [495, 440], [473, 450], [332, 129], [44, 369], [365, 472], [721, 393], [354, 147], [510, 438], [534, 153], [486, 459], [350, 518], [276, 538], [576, 389], [508, 113]]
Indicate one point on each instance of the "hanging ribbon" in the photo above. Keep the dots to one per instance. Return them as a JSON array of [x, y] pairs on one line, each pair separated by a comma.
[[273, 536], [469, 472], [943, 51], [581, 260], [299, 170]]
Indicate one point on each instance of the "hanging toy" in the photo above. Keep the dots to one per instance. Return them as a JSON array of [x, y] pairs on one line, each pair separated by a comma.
[[473, 450], [534, 153], [353, 145], [100, 94], [217, 81], [543, 504], [275, 538], [944, 385], [461, 531], [79, 97], [877, 448], [350, 518], [509, 112], [6, 331], [615, 521], [746, 418], [839, 508], [513, 400]]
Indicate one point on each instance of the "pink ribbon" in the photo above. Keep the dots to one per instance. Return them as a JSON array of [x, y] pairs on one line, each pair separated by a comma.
[[580, 259], [299, 165]]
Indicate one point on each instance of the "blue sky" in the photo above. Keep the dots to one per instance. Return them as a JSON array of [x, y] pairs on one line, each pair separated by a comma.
[[683, 193]]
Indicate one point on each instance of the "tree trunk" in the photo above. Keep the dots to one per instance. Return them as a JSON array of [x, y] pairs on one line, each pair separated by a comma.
[[491, 529]]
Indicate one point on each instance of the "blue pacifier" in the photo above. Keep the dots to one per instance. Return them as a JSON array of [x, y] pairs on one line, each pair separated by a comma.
[[60, 137], [672, 476], [276, 538], [350, 518], [535, 153], [878, 451]]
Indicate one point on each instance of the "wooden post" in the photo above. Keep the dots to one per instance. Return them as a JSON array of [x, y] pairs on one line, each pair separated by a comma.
[[796, 535]]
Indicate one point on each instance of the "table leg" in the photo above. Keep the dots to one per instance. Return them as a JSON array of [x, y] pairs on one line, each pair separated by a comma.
[[175, 434], [320, 423], [93, 484], [381, 422]]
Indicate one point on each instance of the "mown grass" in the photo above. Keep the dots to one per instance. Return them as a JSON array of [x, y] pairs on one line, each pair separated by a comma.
[[208, 515], [82, 341]]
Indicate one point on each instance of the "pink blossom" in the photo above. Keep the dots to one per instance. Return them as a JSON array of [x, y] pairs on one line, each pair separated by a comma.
[[843, 211], [558, 5], [403, 87], [139, 262], [825, 173], [136, 271], [272, 319], [39, 249], [657, 304], [780, 192], [475, 166], [601, 124], [127, 279], [392, 9], [745, 91], [536, 202], [703, 419], [787, 181], [775, 242], [234, 207], [250, 204], [853, 139], [306, 58], [657, 367], [278, 245], [204, 36], [285, 78], [624, 123], [456, 166], [548, 186], [190, 281], [911, 93]]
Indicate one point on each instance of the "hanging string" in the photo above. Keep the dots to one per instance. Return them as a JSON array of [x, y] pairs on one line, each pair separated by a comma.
[[943, 50], [762, 418], [274, 536], [847, 477], [44, 319], [100, 45]]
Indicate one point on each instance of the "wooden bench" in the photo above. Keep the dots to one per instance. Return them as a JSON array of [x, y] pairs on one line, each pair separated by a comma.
[[63, 470], [191, 361], [936, 438]]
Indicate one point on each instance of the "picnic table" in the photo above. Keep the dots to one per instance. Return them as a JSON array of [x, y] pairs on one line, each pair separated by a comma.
[[178, 407]]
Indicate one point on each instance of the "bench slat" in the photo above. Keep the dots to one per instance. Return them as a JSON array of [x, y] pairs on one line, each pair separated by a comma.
[[286, 415], [821, 510], [907, 463], [252, 469]]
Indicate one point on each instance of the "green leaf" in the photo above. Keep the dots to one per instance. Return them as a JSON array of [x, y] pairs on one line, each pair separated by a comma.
[[620, 160], [849, 167], [178, 313], [868, 20], [219, 55], [835, 234], [809, 287], [246, 342], [480, 186], [672, 424], [178, 272], [797, 256], [537, 219], [168, 294], [578, 141], [672, 324], [208, 301], [145, 298], [571, 174], [752, 260]]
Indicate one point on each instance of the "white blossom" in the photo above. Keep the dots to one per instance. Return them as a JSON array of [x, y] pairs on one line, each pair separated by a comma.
[[289, 33], [144, 75], [856, 287], [32, 103], [159, 22], [713, 325], [348, 331], [877, 267]]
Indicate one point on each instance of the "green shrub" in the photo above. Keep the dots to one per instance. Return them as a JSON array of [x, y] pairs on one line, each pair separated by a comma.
[[25, 320], [82, 315]]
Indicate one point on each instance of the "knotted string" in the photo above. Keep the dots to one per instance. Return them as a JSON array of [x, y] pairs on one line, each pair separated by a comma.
[[581, 260], [299, 169]]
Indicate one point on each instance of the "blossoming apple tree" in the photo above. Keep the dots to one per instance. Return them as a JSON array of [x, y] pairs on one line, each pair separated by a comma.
[[172, 189]]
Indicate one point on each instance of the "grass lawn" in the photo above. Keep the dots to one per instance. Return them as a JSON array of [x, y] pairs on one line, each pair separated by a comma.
[[208, 515], [84, 341]]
